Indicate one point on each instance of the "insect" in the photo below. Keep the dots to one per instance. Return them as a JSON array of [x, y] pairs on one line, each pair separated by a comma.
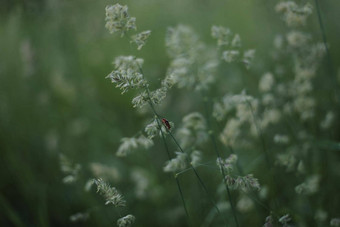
[[166, 123]]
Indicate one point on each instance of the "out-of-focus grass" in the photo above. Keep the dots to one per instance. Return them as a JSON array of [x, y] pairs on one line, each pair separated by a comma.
[[54, 99]]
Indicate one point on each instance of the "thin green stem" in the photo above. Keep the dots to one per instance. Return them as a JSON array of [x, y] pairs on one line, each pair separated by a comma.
[[165, 144], [197, 175], [264, 149], [191, 166], [255, 197], [239, 168], [329, 58], [187, 169], [260, 133], [169, 156], [182, 197], [212, 138], [231, 203]]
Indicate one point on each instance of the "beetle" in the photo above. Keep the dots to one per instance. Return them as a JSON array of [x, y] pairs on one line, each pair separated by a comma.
[[166, 123]]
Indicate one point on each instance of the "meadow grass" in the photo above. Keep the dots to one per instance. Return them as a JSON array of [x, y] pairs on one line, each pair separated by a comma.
[[217, 119]]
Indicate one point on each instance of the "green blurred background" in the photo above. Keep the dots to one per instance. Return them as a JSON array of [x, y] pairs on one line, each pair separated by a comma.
[[54, 98]]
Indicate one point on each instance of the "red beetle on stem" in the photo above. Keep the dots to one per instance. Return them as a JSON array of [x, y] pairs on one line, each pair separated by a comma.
[[166, 123]]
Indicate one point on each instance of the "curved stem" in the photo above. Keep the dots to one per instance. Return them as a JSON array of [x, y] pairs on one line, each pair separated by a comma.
[[180, 148], [169, 156], [329, 58], [212, 137], [197, 175], [165, 145]]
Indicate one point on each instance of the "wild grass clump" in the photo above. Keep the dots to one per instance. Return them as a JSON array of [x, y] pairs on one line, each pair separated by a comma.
[[259, 152]]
